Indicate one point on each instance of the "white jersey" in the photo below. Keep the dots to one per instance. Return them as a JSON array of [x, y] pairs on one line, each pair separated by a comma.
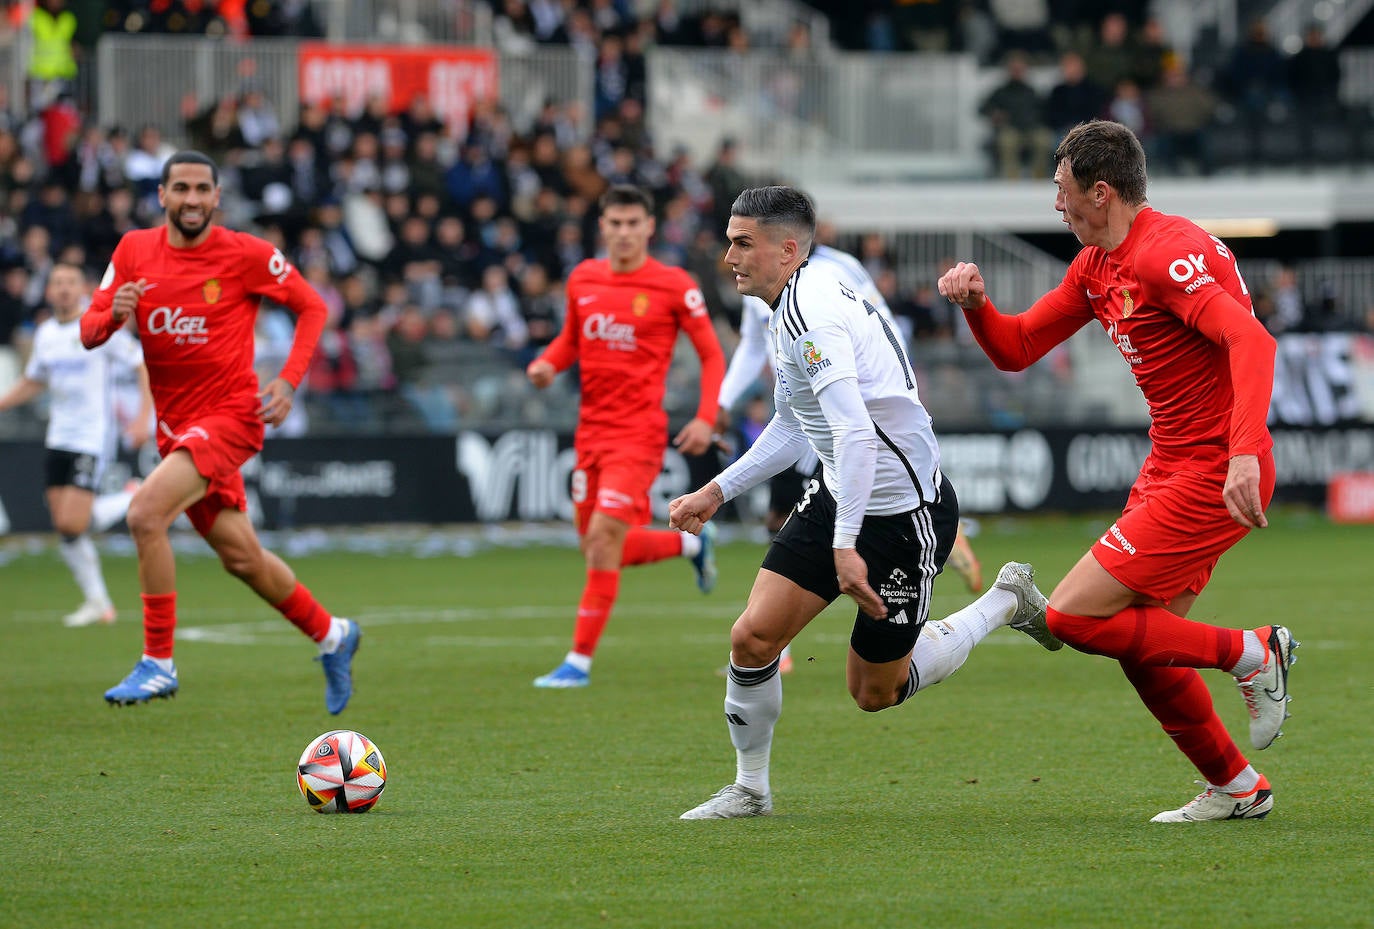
[[754, 353], [81, 385], [822, 331]]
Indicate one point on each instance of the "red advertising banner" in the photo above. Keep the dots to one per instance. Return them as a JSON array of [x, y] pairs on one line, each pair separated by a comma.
[[452, 78]]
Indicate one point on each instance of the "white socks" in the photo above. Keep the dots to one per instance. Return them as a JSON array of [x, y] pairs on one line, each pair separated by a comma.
[[84, 561], [108, 509], [163, 663], [691, 545], [1252, 659], [330, 643], [944, 644], [1242, 783], [579, 661], [753, 703]]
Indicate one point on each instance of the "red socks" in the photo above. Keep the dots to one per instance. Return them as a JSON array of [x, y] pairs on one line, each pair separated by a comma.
[[1152, 636], [1181, 702], [159, 624], [305, 612], [645, 546], [594, 611]]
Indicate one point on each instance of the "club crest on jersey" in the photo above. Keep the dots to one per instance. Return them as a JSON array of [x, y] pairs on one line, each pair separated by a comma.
[[815, 361], [212, 290], [640, 305], [1127, 304]]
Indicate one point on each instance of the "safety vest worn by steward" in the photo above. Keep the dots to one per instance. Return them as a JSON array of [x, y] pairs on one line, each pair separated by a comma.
[[51, 57]]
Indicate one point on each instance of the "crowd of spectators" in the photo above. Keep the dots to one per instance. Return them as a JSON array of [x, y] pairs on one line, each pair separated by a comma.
[[440, 250]]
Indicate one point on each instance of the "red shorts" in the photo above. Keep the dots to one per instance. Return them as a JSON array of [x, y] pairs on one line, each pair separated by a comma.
[[1174, 529], [616, 483], [218, 445]]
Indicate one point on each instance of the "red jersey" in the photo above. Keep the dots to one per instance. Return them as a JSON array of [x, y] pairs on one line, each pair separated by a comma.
[[622, 329], [196, 318], [1175, 306]]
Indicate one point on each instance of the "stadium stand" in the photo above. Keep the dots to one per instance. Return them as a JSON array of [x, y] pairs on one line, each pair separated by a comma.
[[439, 233]]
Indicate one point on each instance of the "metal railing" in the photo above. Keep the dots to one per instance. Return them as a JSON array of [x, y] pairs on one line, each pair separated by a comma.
[[147, 79], [842, 105], [407, 22]]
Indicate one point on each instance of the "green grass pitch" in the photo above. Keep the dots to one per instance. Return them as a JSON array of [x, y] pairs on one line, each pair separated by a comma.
[[1015, 794]]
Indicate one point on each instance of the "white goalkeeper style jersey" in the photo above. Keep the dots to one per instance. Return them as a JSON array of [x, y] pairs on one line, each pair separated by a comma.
[[754, 354], [81, 385], [879, 451]]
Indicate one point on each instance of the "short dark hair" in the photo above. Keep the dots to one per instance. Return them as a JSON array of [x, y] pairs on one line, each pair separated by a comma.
[[627, 195], [1102, 150], [189, 156], [75, 266], [779, 206]]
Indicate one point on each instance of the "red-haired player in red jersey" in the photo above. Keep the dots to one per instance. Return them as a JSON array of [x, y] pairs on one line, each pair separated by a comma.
[[1172, 302], [193, 289], [624, 313]]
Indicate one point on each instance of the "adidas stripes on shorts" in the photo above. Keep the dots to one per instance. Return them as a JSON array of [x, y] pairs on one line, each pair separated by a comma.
[[904, 553]]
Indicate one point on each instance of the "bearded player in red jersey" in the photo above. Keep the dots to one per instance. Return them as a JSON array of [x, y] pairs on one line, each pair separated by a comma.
[[624, 313], [1173, 303], [193, 289]]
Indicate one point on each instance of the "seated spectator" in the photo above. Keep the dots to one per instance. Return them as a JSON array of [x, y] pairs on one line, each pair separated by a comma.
[[475, 175], [1315, 74], [1075, 98], [256, 117], [426, 168], [415, 378], [1180, 110], [52, 209], [541, 306], [492, 312], [1256, 77], [1015, 113], [1024, 25], [143, 168], [1289, 311], [1111, 55], [365, 222], [367, 343], [1127, 107], [417, 261], [925, 26], [214, 129]]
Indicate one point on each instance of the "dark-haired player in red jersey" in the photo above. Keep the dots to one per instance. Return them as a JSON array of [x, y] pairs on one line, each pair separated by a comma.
[[1173, 303], [624, 313], [193, 289]]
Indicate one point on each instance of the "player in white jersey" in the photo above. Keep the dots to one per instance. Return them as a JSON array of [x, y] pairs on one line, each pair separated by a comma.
[[877, 524], [752, 356], [82, 430]]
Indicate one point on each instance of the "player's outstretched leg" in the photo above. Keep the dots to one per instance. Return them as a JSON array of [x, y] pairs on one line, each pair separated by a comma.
[[1266, 690], [147, 680], [338, 668], [1029, 617], [1216, 804]]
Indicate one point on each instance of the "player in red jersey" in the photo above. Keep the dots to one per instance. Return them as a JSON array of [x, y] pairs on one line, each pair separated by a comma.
[[624, 313], [1173, 303], [193, 289]]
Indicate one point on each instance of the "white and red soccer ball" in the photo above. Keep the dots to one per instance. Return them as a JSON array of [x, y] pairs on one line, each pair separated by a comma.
[[341, 772]]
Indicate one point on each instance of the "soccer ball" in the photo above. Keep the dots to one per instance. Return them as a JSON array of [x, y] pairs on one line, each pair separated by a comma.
[[341, 772]]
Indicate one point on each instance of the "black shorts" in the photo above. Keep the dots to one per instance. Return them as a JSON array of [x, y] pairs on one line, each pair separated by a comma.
[[786, 488], [904, 554], [62, 468]]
